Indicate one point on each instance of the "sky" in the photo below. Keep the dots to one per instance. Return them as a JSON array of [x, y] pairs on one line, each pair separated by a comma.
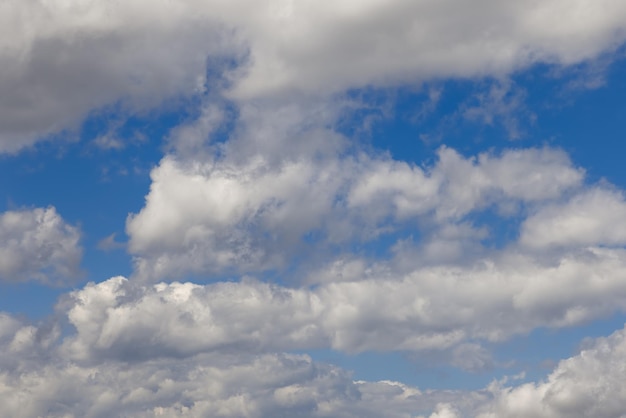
[[296, 208]]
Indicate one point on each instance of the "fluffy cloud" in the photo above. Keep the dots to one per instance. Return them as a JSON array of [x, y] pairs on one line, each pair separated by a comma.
[[596, 216], [350, 43], [456, 186], [219, 215], [285, 187], [63, 59], [590, 384], [433, 308], [266, 386], [182, 319], [37, 379], [38, 244], [270, 385]]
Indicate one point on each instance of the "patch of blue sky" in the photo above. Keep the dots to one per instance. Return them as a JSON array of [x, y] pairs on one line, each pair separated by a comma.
[[590, 126], [580, 111], [33, 301], [501, 229]]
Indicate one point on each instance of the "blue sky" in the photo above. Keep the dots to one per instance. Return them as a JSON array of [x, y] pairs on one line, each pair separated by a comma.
[[399, 209]]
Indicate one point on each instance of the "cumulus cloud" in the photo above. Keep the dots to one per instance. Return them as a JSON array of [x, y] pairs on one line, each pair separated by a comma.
[[37, 244], [209, 386], [223, 214], [594, 217], [385, 42], [590, 384], [37, 379], [433, 308], [62, 60], [266, 386], [287, 186]]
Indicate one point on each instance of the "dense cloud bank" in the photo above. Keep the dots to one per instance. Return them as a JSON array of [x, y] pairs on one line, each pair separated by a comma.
[[435, 308], [62, 59], [39, 378]]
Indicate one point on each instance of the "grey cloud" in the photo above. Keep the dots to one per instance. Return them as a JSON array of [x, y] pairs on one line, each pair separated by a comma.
[[41, 381], [36, 379], [37, 244], [62, 61], [472, 357]]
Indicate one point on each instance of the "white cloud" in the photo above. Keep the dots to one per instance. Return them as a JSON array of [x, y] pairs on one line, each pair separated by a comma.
[[217, 386], [444, 411], [37, 244], [62, 60], [205, 386], [590, 384], [8, 327], [255, 213], [193, 139], [36, 379], [594, 217], [333, 46], [456, 186], [184, 319], [432, 308], [286, 184], [184, 349]]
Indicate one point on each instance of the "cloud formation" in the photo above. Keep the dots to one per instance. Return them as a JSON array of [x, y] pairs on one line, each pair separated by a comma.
[[63, 60], [223, 215], [37, 244], [590, 218], [331, 244], [590, 384], [38, 379], [430, 308]]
